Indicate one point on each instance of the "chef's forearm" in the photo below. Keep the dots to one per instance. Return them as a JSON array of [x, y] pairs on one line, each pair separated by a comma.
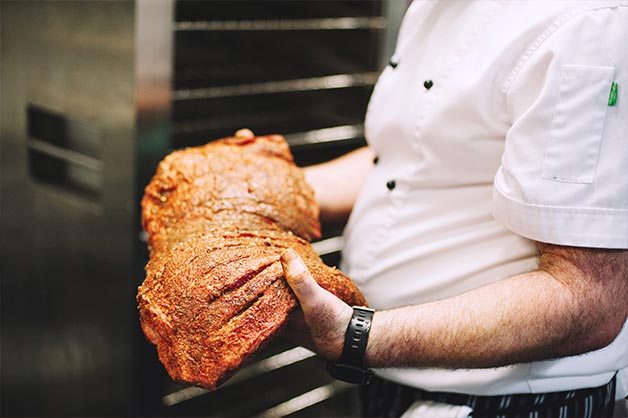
[[337, 183], [499, 324], [528, 317]]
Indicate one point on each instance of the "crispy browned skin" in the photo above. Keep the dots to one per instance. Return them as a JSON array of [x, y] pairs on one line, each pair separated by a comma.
[[218, 217]]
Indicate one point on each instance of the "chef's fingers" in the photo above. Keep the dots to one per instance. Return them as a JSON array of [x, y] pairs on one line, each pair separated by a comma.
[[244, 133], [326, 316], [299, 278]]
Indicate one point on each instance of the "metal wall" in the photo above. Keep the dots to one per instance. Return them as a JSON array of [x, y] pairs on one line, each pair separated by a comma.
[[70, 126]]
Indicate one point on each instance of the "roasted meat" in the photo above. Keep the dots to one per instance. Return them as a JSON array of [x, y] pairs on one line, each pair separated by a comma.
[[218, 217]]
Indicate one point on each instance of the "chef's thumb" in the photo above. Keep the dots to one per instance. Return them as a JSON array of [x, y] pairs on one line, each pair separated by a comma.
[[299, 278]]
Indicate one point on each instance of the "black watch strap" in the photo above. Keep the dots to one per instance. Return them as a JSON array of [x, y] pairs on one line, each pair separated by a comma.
[[350, 366]]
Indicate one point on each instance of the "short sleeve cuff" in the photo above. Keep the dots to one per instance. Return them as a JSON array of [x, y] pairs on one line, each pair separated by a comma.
[[578, 227]]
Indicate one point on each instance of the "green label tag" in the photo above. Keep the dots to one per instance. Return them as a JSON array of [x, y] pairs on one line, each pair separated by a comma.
[[612, 98]]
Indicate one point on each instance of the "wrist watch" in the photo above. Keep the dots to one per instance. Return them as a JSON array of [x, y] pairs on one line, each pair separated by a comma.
[[350, 366]]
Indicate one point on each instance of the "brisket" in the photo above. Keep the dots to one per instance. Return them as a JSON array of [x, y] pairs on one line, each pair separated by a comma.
[[218, 217]]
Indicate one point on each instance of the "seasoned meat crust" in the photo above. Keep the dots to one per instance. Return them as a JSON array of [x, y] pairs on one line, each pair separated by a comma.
[[218, 217]]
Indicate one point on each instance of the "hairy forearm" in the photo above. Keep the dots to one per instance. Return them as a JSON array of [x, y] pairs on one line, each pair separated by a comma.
[[495, 325], [337, 183], [552, 312], [574, 303]]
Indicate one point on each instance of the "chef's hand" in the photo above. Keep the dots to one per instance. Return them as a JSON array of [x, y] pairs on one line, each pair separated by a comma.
[[324, 318]]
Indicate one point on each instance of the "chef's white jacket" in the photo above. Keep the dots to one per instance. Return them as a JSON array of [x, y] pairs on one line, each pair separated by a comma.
[[497, 124]]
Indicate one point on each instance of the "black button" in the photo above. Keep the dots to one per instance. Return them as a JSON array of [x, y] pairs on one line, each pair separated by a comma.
[[375, 160], [391, 184], [428, 84], [393, 62]]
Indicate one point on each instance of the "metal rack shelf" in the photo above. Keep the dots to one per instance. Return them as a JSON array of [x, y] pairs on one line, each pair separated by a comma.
[[326, 135], [337, 81], [283, 359], [338, 23]]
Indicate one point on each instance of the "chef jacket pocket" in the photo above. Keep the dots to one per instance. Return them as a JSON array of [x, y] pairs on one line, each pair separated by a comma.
[[578, 124]]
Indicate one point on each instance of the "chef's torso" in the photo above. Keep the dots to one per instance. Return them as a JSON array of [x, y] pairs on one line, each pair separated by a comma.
[[467, 80]]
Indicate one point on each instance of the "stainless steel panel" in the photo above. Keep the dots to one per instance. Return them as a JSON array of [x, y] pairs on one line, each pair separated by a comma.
[[68, 316]]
